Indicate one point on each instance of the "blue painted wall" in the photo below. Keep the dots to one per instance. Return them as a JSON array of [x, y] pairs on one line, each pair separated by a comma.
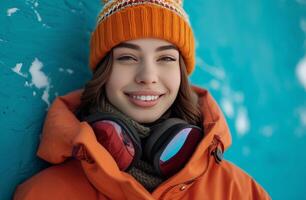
[[250, 55]]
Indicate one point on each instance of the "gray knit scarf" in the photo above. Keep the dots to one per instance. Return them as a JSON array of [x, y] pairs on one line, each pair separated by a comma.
[[142, 171]]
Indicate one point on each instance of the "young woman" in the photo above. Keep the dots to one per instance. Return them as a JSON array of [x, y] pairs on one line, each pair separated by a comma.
[[138, 130]]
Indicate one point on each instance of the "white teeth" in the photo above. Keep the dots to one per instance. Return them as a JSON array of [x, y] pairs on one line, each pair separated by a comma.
[[145, 98]]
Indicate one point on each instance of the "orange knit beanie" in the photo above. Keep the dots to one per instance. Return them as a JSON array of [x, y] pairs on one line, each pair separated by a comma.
[[122, 20]]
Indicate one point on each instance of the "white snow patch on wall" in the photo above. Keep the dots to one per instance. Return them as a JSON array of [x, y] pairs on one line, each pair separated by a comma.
[[37, 15], [214, 84], [34, 4], [17, 70], [11, 11], [301, 72], [27, 84], [70, 71], [227, 107], [39, 79], [232, 101], [242, 123], [215, 71], [45, 96]]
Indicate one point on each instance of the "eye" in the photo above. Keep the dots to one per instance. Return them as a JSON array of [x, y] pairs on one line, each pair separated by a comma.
[[168, 59], [126, 58]]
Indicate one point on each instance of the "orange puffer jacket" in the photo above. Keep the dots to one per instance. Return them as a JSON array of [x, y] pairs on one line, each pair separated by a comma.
[[203, 177]]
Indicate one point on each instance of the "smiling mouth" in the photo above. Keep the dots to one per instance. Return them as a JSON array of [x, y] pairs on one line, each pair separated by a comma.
[[144, 100]]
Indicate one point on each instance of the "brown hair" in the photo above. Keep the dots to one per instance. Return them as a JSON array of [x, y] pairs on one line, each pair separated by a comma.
[[94, 96]]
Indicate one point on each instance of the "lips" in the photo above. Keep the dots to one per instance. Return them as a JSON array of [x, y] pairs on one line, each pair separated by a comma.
[[144, 98]]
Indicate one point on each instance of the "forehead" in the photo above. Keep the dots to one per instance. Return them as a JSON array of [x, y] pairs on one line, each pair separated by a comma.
[[147, 44]]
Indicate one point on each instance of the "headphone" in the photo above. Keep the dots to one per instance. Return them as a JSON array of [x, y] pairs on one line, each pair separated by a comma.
[[168, 147]]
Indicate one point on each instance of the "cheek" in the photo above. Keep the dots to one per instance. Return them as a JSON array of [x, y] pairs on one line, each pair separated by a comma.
[[112, 86], [116, 80], [173, 79]]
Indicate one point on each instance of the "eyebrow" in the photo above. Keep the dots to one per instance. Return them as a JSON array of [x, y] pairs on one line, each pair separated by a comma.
[[136, 47]]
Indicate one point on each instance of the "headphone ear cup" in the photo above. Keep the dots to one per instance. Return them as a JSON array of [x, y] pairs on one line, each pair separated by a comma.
[[159, 134], [110, 137]]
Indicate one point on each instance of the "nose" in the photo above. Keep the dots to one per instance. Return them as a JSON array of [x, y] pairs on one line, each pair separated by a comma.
[[147, 73]]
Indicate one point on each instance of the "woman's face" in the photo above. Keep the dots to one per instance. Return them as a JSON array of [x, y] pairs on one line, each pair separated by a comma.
[[145, 78]]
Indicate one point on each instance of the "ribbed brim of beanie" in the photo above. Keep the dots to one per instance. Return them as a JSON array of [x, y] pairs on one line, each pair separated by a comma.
[[142, 21]]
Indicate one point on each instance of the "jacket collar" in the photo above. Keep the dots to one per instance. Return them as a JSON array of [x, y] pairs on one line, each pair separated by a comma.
[[105, 170]]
